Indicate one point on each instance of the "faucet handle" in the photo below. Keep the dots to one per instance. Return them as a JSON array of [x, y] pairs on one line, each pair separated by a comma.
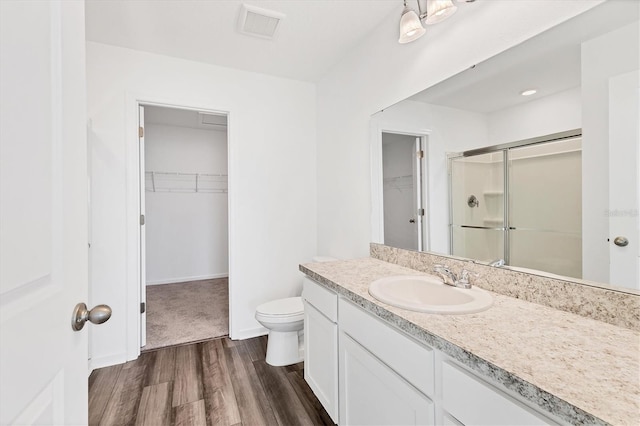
[[464, 278]]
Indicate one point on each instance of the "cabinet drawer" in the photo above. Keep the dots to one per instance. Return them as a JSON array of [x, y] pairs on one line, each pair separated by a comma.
[[474, 402], [322, 299], [411, 360]]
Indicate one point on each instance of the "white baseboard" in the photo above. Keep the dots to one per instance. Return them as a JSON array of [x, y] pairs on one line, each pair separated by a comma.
[[248, 333], [186, 279], [107, 361]]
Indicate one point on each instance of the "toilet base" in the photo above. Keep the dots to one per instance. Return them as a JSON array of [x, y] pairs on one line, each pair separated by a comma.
[[283, 348]]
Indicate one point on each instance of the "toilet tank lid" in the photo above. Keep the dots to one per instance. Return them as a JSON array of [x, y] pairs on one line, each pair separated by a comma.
[[323, 259], [285, 307]]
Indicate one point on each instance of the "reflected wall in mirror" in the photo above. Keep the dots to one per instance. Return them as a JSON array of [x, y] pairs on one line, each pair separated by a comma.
[[586, 73]]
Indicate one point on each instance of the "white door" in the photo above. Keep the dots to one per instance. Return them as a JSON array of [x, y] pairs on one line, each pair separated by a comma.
[[624, 140], [43, 212]]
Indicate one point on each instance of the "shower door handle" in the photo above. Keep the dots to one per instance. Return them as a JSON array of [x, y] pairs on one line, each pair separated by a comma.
[[412, 221]]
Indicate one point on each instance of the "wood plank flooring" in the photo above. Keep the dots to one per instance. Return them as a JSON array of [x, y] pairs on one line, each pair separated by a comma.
[[216, 382]]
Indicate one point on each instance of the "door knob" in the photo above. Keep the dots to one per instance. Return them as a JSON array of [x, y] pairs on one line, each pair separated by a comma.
[[81, 314], [621, 241]]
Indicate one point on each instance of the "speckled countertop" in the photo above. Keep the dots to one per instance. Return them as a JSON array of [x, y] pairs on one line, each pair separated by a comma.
[[581, 370]]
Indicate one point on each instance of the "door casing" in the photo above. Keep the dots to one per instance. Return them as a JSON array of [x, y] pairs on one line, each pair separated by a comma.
[[133, 209]]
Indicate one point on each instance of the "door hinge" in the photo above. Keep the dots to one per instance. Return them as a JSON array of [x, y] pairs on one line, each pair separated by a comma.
[[420, 154], [143, 307], [420, 212], [141, 219], [140, 132]]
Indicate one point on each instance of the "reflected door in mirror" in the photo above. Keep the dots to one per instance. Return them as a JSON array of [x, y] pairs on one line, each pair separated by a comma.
[[402, 172]]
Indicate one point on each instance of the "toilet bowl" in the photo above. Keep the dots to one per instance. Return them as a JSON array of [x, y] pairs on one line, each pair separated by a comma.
[[284, 318]]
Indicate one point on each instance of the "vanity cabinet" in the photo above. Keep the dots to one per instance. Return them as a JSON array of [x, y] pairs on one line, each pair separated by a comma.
[[366, 372], [321, 344], [385, 377]]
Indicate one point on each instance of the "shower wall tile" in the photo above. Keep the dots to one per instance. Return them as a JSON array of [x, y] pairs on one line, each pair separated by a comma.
[[602, 304]]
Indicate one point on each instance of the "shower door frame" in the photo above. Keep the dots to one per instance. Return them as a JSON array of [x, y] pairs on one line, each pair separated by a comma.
[[504, 148]]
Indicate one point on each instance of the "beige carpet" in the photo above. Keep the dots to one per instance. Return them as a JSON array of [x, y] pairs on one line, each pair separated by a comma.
[[187, 312]]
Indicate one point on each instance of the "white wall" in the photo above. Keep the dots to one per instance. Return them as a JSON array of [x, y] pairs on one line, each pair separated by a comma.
[[272, 172], [186, 232], [549, 114], [380, 72]]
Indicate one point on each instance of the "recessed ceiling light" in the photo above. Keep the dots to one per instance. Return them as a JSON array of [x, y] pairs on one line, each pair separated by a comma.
[[528, 92]]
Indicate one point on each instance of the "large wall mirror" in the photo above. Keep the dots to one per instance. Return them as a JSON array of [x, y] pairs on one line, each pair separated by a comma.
[[531, 156]]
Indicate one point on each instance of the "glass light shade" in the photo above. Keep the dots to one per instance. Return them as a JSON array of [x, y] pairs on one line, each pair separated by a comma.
[[439, 10], [410, 26]]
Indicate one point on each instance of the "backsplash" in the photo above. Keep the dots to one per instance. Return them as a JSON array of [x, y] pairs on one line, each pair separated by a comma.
[[610, 306]]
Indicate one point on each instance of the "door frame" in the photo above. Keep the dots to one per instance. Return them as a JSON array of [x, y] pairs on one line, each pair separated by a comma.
[[133, 187], [377, 184]]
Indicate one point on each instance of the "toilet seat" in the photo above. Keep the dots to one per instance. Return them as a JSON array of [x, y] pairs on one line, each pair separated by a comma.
[[282, 310]]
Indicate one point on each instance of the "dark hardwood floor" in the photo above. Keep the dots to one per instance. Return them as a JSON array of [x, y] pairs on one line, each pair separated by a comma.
[[216, 382]]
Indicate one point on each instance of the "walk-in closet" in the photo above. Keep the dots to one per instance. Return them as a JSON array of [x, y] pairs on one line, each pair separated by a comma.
[[185, 252]]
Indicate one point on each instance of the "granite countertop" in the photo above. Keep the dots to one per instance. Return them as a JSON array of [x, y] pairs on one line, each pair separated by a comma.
[[582, 370]]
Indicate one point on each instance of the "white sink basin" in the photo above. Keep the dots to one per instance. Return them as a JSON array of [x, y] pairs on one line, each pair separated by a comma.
[[427, 293]]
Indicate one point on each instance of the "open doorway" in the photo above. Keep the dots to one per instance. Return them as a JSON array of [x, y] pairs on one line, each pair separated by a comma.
[[404, 191], [184, 226]]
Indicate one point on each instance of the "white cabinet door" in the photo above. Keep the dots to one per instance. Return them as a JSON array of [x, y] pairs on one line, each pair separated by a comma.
[[321, 358], [43, 212], [373, 394], [474, 402]]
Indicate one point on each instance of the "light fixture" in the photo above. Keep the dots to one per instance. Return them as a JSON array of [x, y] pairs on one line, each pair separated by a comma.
[[528, 92], [410, 26], [439, 10], [411, 22]]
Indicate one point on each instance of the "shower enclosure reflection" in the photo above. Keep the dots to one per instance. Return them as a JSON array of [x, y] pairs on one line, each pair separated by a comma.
[[528, 208]]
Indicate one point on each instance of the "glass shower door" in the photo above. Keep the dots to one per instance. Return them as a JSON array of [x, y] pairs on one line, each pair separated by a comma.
[[477, 206], [545, 207]]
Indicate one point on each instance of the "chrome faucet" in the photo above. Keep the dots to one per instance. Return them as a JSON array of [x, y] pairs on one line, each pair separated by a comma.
[[450, 278]]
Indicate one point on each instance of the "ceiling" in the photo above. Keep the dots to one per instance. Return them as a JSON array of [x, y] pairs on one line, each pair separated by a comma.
[[549, 62], [314, 35]]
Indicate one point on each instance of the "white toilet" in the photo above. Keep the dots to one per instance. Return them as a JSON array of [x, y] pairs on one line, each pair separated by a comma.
[[284, 318]]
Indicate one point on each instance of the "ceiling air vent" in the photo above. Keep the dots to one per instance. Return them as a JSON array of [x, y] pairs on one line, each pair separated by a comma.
[[259, 22]]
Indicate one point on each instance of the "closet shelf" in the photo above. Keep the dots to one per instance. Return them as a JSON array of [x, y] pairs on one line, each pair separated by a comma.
[[398, 182], [185, 182]]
